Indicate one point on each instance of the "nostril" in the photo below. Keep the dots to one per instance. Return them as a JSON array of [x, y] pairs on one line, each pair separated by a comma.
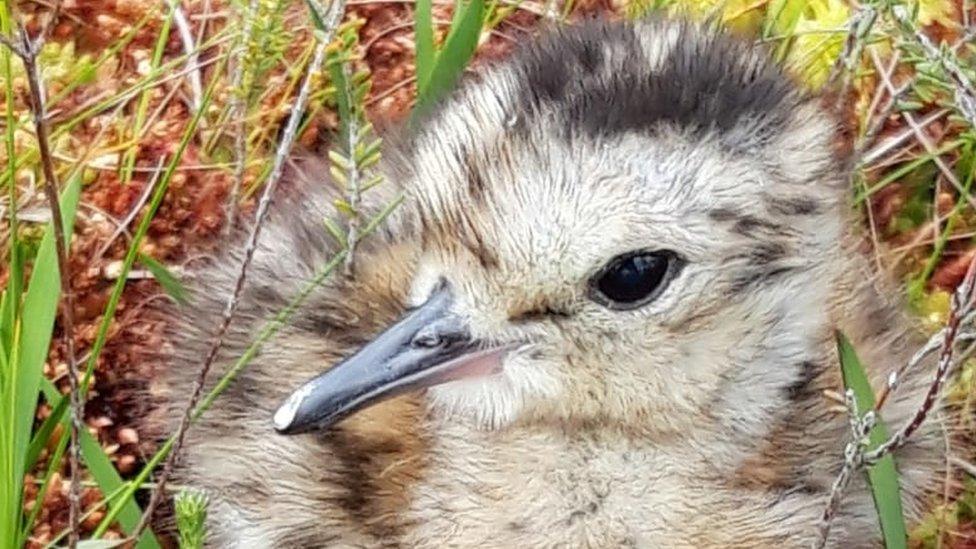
[[442, 333], [426, 339]]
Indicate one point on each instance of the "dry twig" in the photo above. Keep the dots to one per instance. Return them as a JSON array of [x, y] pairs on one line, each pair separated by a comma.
[[140, 202], [336, 10], [923, 138], [859, 27], [192, 58], [900, 138], [238, 109], [963, 87], [962, 308], [860, 427], [855, 457]]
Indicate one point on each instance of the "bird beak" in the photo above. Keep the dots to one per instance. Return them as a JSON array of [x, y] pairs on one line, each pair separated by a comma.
[[428, 346]]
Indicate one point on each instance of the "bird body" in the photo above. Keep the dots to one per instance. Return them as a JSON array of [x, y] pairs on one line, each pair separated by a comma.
[[640, 232]]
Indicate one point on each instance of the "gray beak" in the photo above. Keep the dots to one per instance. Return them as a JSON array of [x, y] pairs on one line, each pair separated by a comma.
[[426, 347]]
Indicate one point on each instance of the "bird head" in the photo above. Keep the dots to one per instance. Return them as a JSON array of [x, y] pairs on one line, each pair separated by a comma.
[[626, 224]]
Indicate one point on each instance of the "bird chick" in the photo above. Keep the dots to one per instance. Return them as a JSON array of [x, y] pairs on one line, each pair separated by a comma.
[[603, 316]]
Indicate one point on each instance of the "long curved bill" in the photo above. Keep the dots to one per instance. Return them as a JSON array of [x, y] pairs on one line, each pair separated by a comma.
[[427, 347]]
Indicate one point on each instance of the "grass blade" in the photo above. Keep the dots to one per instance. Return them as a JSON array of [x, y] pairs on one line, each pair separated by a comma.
[[423, 28], [340, 80], [170, 283], [27, 336], [316, 16], [11, 305], [882, 476], [454, 56], [101, 335], [966, 169], [42, 435], [11, 489], [129, 161], [268, 331], [39, 311], [781, 20]]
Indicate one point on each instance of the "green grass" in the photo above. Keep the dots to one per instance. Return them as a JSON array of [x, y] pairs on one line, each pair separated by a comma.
[[26, 324], [438, 69]]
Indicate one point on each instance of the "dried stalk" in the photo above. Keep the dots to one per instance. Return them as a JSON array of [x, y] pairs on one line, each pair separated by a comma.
[[884, 148], [192, 59], [879, 92], [962, 307], [855, 458], [924, 138], [140, 202], [354, 184], [859, 26], [963, 87], [28, 50], [336, 9], [238, 109]]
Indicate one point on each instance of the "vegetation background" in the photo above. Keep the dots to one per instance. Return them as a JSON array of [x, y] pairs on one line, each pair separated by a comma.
[[162, 123]]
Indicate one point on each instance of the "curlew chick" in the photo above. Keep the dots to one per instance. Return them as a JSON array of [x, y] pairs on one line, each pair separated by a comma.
[[603, 316]]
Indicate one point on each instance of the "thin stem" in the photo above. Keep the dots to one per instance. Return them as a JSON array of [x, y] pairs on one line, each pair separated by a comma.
[[337, 8], [28, 51], [352, 173], [962, 86], [238, 110], [855, 457], [962, 305], [860, 426]]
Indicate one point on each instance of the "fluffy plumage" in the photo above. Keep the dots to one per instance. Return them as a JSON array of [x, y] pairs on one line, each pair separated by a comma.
[[696, 420]]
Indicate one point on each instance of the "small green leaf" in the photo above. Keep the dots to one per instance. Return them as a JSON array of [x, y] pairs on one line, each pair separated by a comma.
[[344, 207], [339, 177], [372, 182], [190, 508], [882, 476], [339, 160], [909, 105], [170, 283], [369, 153], [335, 231]]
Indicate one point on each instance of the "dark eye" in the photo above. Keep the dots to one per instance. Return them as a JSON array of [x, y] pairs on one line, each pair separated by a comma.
[[633, 279]]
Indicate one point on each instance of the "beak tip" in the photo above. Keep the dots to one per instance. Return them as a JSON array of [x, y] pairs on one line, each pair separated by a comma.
[[285, 415], [283, 418]]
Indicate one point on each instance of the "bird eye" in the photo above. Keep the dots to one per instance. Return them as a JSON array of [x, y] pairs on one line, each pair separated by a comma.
[[633, 279]]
